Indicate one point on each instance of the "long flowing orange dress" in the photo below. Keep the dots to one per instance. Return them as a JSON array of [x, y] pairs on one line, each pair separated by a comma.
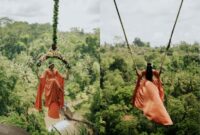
[[53, 84], [149, 96]]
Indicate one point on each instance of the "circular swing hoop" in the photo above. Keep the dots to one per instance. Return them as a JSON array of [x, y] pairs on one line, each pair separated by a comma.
[[52, 54]]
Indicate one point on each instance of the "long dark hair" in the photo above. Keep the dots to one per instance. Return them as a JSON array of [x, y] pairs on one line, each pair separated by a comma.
[[149, 72]]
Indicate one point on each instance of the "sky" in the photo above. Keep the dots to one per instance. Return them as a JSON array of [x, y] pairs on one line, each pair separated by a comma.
[[73, 13], [150, 20]]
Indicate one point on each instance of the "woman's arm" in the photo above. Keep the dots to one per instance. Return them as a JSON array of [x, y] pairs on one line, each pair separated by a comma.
[[159, 83], [37, 73], [156, 74], [140, 74], [64, 76], [43, 74]]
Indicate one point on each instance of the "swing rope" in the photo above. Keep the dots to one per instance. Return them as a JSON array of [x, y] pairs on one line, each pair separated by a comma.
[[55, 24], [126, 39], [169, 43]]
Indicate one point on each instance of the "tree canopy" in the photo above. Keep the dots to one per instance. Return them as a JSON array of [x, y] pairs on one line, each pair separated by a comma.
[[21, 44], [181, 84]]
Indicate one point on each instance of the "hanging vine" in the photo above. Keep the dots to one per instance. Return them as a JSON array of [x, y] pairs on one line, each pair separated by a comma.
[[55, 24]]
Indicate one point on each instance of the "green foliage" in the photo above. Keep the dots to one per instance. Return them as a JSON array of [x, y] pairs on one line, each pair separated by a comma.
[[7, 84], [181, 84], [22, 43], [137, 41], [20, 46]]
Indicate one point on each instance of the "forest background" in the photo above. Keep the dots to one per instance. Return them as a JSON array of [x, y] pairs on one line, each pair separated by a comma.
[[101, 78]]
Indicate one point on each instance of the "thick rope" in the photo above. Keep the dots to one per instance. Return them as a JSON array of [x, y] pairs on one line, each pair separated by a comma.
[[55, 24], [170, 39], [126, 39]]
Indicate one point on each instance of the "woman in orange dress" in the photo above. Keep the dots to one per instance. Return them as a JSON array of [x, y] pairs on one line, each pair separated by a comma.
[[53, 83], [149, 96]]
